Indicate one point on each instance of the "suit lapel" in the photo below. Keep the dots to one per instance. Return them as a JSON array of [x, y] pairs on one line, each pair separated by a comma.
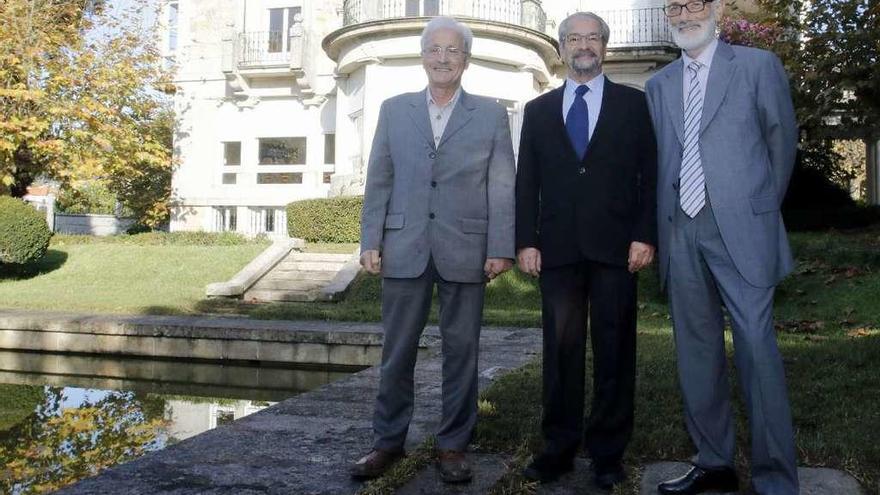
[[674, 88], [557, 125], [461, 115], [418, 112], [720, 74], [606, 113]]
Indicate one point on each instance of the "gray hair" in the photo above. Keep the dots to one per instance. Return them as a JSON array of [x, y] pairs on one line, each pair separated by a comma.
[[444, 22], [605, 31]]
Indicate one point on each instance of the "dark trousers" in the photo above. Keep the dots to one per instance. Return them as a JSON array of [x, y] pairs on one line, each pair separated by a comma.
[[606, 295]]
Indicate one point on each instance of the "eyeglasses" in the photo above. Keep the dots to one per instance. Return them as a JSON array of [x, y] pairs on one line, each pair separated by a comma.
[[437, 51], [576, 39], [674, 10]]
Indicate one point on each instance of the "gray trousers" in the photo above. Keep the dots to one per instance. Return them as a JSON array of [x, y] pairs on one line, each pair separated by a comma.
[[406, 304], [702, 277]]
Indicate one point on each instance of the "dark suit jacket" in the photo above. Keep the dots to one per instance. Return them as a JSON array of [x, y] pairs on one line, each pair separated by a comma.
[[590, 209]]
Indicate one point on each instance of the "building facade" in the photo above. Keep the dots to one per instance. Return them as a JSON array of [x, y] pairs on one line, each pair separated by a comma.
[[277, 100]]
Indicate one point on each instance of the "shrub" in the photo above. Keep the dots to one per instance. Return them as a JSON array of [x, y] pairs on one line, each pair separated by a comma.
[[159, 238], [24, 235], [326, 220]]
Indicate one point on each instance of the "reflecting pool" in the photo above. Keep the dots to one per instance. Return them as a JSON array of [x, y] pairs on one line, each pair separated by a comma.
[[63, 417]]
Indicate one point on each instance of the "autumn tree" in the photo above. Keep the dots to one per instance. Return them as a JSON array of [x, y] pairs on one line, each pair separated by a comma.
[[80, 101]]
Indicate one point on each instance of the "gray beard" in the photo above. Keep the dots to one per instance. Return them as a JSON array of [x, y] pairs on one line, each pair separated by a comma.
[[697, 40]]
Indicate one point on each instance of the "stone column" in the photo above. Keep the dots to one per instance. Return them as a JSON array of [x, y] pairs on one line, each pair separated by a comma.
[[872, 166]]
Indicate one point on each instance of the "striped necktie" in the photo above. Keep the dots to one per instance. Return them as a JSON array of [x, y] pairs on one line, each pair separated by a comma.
[[692, 196]]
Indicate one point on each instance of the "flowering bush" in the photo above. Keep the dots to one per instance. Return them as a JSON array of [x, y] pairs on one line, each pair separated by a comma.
[[748, 33]]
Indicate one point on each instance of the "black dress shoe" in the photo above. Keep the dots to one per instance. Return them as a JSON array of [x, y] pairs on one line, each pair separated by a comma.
[[608, 474], [548, 467], [699, 480]]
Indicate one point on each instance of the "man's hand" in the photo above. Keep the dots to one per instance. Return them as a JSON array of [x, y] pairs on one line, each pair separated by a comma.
[[496, 266], [529, 260], [371, 261], [640, 256]]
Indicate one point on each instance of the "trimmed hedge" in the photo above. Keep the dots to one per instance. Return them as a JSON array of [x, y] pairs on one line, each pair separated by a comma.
[[326, 220], [24, 235]]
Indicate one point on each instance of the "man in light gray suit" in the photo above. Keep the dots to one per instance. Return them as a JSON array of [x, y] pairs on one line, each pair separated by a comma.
[[438, 210], [727, 138]]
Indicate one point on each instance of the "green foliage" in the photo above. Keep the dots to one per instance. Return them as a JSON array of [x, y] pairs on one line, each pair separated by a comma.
[[86, 198], [159, 238], [18, 402], [326, 220], [24, 235]]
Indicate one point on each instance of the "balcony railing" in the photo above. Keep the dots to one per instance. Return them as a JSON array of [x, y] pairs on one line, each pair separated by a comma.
[[526, 13], [637, 28], [269, 48]]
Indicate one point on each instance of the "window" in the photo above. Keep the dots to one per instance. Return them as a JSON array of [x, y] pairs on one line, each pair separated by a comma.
[[172, 26], [280, 178], [232, 153], [280, 22], [269, 220], [225, 219], [329, 148], [230, 178], [425, 8], [283, 151], [327, 177]]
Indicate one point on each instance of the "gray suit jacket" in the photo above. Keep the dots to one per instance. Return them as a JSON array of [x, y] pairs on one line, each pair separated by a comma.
[[453, 202], [748, 142]]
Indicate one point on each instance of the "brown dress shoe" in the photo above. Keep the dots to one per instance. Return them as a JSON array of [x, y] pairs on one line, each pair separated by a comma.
[[453, 466], [374, 464]]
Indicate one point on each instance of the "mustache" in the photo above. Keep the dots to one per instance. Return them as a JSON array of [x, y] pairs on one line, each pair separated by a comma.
[[585, 51], [687, 24]]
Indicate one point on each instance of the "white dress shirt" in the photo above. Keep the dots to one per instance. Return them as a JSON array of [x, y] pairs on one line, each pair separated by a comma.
[[439, 115], [593, 97]]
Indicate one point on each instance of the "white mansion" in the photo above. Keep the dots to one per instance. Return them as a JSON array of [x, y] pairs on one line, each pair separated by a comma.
[[277, 100]]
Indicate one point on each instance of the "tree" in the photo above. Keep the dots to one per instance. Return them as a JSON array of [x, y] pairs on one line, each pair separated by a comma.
[[830, 51], [79, 100]]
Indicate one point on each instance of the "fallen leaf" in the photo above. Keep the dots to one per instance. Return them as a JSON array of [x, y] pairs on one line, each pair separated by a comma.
[[861, 332]]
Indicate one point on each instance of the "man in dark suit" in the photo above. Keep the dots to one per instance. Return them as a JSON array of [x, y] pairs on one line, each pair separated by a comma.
[[727, 140], [585, 222]]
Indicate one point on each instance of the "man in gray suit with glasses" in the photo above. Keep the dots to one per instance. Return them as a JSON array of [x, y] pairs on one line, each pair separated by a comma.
[[726, 139], [438, 211]]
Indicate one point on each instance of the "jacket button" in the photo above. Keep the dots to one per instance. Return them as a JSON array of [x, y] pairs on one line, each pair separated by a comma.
[[675, 185], [431, 216], [432, 155], [669, 218], [582, 170], [433, 183]]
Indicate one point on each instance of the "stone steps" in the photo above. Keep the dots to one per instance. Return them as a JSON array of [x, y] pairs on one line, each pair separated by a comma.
[[304, 277]]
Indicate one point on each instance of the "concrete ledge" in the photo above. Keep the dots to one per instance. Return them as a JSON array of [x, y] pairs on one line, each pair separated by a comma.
[[340, 283], [258, 267], [203, 338]]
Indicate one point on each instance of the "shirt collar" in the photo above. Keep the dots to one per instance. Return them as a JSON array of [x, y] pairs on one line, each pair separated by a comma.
[[452, 101], [705, 58], [595, 84]]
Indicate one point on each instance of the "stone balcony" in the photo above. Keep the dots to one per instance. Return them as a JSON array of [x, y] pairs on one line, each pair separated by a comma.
[[525, 13]]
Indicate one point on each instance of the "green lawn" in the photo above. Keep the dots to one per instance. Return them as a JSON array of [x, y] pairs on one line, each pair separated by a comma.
[[122, 278]]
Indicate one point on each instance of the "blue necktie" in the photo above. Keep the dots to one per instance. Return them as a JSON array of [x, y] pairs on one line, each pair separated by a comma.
[[577, 122]]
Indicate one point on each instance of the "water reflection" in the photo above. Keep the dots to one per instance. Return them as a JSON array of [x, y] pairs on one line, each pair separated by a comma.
[[63, 418]]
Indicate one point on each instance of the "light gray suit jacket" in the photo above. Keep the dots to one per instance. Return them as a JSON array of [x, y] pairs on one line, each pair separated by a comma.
[[453, 202], [748, 143]]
